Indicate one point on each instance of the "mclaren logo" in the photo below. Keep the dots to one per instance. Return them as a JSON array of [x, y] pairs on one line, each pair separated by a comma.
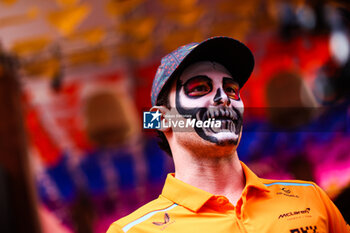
[[294, 213]]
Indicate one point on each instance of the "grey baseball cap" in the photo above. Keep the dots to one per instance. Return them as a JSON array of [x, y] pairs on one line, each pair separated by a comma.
[[232, 54]]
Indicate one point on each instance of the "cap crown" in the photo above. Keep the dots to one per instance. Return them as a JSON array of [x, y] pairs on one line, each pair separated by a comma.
[[231, 53], [167, 67]]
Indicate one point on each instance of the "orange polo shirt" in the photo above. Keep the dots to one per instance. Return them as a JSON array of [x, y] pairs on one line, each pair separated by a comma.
[[266, 206]]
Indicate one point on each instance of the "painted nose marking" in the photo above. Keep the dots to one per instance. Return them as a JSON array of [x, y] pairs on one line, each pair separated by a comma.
[[219, 98]]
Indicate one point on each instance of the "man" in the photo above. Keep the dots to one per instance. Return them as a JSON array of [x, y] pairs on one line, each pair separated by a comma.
[[211, 190]]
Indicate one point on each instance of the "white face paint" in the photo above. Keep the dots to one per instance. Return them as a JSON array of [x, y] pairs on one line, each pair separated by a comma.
[[207, 90]]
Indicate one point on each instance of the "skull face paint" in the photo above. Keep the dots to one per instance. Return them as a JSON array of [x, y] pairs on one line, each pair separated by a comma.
[[207, 90]]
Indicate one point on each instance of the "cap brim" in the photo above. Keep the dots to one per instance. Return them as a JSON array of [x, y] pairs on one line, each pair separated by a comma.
[[231, 53]]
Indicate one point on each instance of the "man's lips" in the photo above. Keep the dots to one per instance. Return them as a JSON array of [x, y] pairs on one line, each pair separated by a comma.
[[226, 126], [222, 114], [230, 120]]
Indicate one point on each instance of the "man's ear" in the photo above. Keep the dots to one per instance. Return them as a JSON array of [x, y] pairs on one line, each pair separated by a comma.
[[163, 118]]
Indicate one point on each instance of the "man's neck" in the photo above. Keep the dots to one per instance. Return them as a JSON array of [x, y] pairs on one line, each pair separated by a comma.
[[218, 175]]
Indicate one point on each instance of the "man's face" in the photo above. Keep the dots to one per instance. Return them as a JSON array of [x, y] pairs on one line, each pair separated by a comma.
[[206, 90]]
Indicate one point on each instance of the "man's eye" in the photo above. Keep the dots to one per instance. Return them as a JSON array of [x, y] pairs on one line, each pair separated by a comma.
[[198, 90], [232, 90], [197, 86]]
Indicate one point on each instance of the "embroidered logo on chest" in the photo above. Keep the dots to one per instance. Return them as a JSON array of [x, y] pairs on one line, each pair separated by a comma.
[[165, 223]]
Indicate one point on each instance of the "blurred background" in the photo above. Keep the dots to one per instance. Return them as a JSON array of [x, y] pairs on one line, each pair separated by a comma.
[[75, 77]]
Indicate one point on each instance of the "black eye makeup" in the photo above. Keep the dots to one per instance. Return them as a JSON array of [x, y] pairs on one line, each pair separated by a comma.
[[231, 88], [198, 86]]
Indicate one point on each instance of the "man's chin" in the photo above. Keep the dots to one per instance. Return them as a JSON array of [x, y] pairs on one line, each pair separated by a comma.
[[226, 138], [221, 138]]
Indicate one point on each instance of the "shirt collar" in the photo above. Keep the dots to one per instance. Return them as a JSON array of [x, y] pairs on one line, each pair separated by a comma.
[[194, 198], [252, 180], [184, 194]]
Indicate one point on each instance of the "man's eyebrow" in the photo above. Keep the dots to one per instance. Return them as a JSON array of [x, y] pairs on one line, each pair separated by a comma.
[[229, 78], [197, 76], [200, 76]]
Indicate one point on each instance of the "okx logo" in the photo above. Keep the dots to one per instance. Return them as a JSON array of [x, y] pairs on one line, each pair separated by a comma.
[[308, 229], [151, 120]]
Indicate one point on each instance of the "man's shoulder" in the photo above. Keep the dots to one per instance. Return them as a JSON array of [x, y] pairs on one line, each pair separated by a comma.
[[306, 186], [301, 183], [140, 214], [296, 190]]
